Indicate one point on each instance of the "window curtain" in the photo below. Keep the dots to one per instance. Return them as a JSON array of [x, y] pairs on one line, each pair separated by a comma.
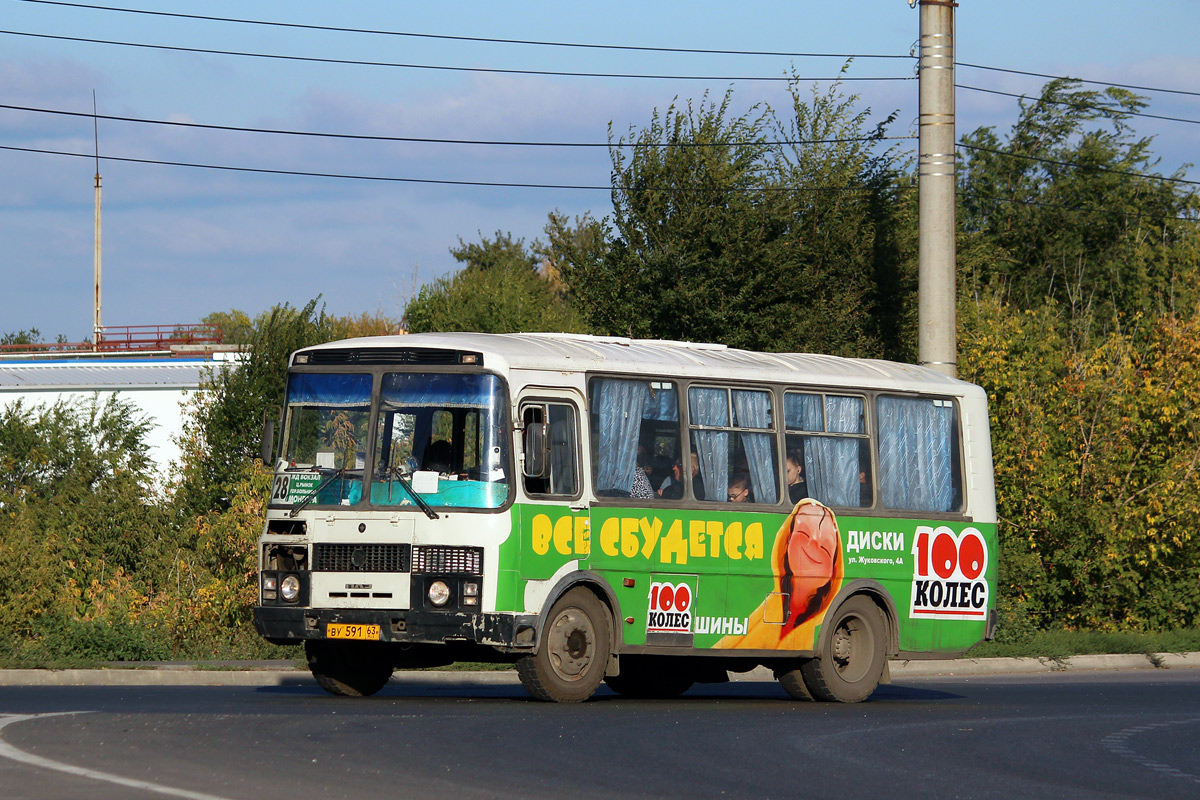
[[753, 410], [915, 460], [662, 405], [711, 407], [831, 463], [831, 469], [619, 406], [802, 412]]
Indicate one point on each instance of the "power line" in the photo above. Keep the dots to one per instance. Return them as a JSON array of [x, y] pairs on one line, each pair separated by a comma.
[[435, 140], [395, 179], [1065, 77], [513, 185], [446, 68], [1083, 209], [596, 46], [306, 174], [1076, 165], [507, 143], [1086, 105], [480, 39]]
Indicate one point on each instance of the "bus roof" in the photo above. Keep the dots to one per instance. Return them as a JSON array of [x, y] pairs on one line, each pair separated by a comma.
[[585, 353]]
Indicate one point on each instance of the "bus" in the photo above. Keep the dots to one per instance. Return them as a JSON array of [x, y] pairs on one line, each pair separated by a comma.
[[645, 514]]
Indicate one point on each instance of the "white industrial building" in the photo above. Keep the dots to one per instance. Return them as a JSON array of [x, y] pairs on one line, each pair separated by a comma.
[[158, 387]]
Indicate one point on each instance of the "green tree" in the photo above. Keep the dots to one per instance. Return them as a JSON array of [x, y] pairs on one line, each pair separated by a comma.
[[223, 431], [1068, 207], [236, 326], [31, 336], [501, 288], [759, 230]]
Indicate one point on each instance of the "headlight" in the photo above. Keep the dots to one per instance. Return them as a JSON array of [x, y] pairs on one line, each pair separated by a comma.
[[470, 592], [439, 593], [289, 588], [270, 583]]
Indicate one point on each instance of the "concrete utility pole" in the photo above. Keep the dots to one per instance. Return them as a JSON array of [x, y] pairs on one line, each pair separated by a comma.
[[97, 329], [937, 338]]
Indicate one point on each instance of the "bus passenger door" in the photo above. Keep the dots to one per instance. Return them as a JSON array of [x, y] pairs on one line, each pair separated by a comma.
[[553, 517]]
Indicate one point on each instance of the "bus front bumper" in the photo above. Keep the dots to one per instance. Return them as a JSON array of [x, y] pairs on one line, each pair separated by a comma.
[[292, 625]]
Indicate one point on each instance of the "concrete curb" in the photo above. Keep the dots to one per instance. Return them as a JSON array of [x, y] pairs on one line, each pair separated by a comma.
[[259, 675]]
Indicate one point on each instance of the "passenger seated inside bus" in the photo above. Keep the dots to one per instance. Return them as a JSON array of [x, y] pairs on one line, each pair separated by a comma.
[[739, 489]]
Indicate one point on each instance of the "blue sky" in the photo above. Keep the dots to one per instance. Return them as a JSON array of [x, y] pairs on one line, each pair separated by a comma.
[[181, 242]]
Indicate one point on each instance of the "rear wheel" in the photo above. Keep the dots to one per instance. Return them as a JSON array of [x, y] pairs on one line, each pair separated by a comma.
[[792, 681], [573, 653], [348, 669], [851, 660], [647, 676]]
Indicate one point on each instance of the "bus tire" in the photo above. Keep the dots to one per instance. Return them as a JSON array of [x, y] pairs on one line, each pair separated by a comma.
[[573, 653], [851, 659], [650, 677], [792, 681], [348, 670]]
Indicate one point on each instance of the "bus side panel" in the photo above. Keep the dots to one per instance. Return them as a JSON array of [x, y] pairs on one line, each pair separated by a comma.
[[724, 580]]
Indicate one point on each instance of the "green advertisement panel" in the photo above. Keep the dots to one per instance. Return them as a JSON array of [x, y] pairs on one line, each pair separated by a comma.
[[727, 580]]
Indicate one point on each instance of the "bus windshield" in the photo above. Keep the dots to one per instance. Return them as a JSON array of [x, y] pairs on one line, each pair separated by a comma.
[[328, 417], [444, 431]]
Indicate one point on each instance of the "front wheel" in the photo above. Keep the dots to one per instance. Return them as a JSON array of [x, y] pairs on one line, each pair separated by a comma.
[[573, 654], [850, 662], [348, 669]]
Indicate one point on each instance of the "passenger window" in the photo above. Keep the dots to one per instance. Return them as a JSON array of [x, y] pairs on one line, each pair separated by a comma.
[[733, 442], [919, 467], [635, 438], [828, 454], [562, 477]]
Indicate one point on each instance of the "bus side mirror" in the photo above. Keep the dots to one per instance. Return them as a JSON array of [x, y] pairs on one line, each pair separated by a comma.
[[267, 450], [537, 450]]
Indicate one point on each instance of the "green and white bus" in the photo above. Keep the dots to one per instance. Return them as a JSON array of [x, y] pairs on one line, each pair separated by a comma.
[[647, 514]]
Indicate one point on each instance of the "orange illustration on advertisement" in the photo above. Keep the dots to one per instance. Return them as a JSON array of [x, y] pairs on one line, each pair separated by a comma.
[[807, 564]]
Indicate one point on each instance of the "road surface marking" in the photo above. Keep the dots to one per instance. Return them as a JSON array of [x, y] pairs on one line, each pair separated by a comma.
[[12, 753]]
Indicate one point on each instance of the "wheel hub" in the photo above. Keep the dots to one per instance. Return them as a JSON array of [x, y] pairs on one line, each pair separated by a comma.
[[571, 644]]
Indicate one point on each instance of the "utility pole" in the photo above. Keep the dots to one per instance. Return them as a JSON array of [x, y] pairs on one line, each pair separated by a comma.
[[97, 329], [937, 345]]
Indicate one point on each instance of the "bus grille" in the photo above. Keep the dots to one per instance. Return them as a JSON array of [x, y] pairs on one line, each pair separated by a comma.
[[361, 557], [445, 559]]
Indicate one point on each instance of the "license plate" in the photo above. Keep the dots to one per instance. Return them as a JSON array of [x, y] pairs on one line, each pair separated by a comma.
[[340, 631]]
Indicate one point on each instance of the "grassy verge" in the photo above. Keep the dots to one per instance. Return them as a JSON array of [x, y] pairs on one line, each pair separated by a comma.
[[1062, 644]]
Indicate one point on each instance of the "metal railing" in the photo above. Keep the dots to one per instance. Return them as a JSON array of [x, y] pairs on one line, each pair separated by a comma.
[[128, 339]]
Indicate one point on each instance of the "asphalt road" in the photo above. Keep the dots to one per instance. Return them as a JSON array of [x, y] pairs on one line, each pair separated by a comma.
[[1087, 734]]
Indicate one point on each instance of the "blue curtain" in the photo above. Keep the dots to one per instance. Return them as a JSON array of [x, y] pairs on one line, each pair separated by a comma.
[[711, 407], [831, 463], [844, 414], [916, 464], [753, 410], [802, 412], [619, 407], [663, 405], [831, 467]]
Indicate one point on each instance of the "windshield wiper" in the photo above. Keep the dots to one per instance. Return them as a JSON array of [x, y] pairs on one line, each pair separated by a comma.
[[395, 474], [308, 498]]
